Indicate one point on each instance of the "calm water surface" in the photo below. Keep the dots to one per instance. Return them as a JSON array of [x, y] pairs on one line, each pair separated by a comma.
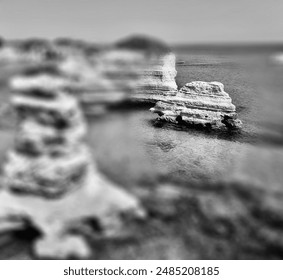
[[132, 151]]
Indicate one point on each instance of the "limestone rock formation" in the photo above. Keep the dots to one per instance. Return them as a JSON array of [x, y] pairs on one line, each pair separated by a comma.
[[157, 68], [199, 103], [158, 78], [135, 69], [50, 179]]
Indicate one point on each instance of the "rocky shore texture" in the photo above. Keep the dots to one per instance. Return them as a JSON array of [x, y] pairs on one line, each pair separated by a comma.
[[50, 179], [200, 104]]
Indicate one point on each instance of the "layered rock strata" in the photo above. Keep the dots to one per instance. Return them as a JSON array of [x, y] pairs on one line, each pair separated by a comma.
[[138, 68], [50, 157], [157, 70], [50, 179], [157, 79], [199, 103]]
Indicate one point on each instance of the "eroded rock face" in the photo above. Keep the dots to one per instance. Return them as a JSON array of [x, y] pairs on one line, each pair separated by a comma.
[[155, 69], [50, 179], [199, 103], [50, 156], [138, 68], [158, 78]]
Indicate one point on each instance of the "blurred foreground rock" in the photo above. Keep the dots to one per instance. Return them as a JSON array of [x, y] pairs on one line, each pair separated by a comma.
[[221, 220], [50, 179]]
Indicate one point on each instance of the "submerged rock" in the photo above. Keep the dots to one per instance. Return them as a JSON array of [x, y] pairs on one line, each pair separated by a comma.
[[199, 103]]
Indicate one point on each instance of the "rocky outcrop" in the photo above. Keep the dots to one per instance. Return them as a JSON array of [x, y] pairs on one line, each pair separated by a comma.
[[199, 103], [157, 68], [157, 79], [50, 179], [137, 69]]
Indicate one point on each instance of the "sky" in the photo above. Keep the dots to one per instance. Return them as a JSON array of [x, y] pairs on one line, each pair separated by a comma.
[[174, 21]]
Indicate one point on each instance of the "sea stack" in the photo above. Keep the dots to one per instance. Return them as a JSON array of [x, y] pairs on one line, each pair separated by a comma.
[[50, 179], [202, 104]]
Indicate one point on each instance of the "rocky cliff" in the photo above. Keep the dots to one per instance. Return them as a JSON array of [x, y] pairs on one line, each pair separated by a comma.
[[156, 69], [158, 78], [137, 68]]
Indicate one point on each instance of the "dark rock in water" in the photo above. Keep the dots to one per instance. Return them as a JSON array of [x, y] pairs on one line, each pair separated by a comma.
[[231, 122], [199, 103], [180, 62]]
